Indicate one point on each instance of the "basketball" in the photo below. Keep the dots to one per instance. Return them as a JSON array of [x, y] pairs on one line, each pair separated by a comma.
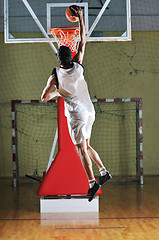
[[70, 13]]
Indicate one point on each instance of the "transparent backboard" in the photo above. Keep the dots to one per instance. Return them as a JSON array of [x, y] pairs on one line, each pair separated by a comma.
[[28, 21]]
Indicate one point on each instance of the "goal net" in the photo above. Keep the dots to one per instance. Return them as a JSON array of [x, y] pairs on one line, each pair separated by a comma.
[[116, 136]]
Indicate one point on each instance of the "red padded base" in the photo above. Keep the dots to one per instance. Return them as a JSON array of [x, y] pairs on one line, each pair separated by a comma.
[[66, 175]]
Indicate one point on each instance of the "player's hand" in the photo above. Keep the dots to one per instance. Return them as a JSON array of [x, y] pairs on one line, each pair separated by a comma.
[[77, 12]]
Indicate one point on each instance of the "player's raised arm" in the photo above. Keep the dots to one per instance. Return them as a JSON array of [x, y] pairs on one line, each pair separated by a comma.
[[47, 94], [81, 48]]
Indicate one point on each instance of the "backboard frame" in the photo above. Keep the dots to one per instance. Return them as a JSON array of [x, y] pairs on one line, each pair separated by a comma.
[[8, 38]]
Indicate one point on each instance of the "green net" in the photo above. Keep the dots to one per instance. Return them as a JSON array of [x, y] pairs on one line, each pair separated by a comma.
[[113, 137], [35, 130]]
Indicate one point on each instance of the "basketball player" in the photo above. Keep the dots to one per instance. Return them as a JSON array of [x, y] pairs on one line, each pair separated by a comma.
[[79, 110]]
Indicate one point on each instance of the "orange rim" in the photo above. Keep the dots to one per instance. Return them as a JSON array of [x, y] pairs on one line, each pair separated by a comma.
[[68, 32]]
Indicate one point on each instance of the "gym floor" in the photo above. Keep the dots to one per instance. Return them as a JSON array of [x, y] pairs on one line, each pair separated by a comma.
[[127, 211]]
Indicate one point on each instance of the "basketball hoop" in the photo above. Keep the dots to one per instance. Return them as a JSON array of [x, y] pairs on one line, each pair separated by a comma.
[[66, 37]]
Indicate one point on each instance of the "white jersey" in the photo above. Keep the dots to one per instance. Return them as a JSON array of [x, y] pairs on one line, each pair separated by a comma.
[[79, 109]]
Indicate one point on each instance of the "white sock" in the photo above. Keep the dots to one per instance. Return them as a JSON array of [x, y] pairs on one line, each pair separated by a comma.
[[102, 171], [92, 182]]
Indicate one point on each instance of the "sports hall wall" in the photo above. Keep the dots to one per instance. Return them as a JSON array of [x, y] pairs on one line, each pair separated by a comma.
[[113, 70]]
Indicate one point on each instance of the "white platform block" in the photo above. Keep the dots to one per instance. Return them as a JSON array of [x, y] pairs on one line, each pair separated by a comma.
[[51, 205]]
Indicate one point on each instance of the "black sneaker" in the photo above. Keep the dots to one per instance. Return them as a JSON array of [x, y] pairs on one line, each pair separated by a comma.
[[105, 178], [92, 191]]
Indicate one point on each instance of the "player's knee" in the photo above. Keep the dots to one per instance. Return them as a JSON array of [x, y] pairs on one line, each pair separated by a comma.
[[82, 148]]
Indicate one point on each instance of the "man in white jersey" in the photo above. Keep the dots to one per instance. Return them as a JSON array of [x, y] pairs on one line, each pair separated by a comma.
[[79, 110]]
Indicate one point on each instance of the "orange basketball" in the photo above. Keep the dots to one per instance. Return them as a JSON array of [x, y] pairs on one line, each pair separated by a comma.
[[70, 13]]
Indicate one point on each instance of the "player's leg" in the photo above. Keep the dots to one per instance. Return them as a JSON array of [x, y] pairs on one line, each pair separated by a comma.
[[85, 159], [94, 155], [87, 164], [104, 174]]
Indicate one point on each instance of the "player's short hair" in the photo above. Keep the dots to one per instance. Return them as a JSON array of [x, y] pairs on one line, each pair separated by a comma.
[[64, 55]]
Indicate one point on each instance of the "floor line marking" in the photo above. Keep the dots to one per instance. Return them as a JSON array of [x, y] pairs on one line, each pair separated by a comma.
[[96, 228]]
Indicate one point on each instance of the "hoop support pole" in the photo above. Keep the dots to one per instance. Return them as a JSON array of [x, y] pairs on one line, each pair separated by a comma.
[[39, 24]]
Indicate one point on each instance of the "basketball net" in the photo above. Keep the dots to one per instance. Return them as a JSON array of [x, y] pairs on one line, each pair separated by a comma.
[[66, 37]]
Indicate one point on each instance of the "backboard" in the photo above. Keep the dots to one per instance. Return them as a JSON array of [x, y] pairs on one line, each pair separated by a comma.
[[27, 21]]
